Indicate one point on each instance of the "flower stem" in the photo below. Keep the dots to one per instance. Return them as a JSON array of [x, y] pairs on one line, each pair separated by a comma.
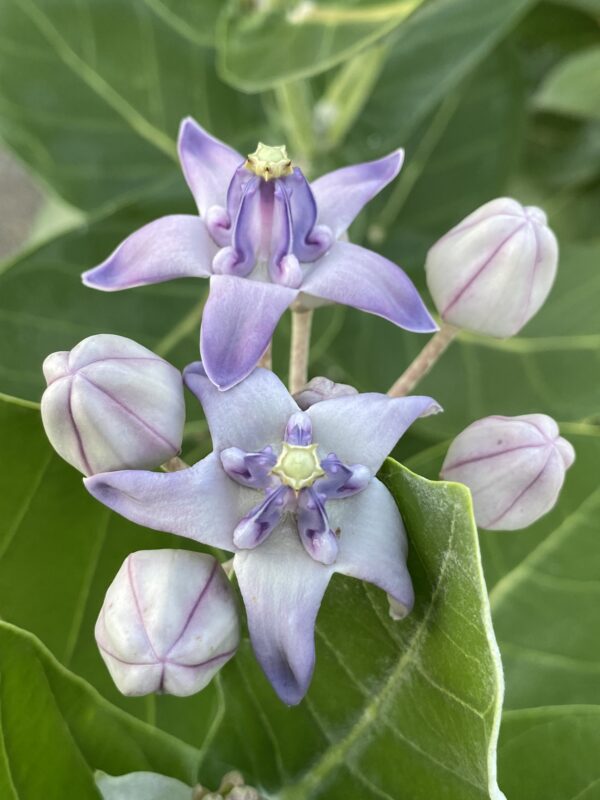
[[424, 361], [300, 347], [266, 360], [174, 464]]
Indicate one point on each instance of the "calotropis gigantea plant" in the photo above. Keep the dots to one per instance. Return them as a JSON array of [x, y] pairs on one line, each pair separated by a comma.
[[290, 487]]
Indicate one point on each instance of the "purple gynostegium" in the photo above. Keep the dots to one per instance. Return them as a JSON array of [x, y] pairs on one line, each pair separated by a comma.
[[276, 491], [265, 238]]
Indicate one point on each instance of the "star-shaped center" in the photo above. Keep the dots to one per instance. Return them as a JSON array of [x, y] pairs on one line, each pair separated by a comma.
[[298, 466], [270, 161]]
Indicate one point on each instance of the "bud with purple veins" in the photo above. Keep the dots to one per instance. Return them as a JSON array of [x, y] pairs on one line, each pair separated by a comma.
[[168, 624], [492, 272], [318, 389], [112, 404], [514, 466]]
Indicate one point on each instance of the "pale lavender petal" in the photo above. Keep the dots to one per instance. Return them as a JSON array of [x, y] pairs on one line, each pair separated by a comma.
[[207, 163], [178, 246], [249, 469], [282, 590], [251, 415], [373, 544], [238, 322], [314, 530], [341, 195], [298, 431], [364, 428], [261, 520], [341, 480], [201, 502], [354, 276]]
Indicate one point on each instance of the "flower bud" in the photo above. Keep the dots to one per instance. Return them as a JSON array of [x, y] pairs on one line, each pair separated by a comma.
[[492, 272], [112, 404], [318, 389], [514, 466], [168, 624]]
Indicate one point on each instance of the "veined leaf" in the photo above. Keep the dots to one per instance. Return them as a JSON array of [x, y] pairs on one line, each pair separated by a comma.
[[55, 730], [92, 92], [551, 753]]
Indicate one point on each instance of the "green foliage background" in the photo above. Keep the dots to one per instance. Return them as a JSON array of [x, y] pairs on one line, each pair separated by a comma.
[[487, 98]]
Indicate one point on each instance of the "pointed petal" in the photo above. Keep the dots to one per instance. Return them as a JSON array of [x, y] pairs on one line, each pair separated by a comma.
[[364, 428], [251, 415], [373, 544], [238, 322], [178, 246], [354, 276], [341, 195], [207, 163], [282, 589], [200, 502], [314, 530]]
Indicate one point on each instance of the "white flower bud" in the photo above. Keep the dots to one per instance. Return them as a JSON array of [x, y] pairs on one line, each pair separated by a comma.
[[112, 404], [318, 389], [514, 466], [168, 624], [492, 272]]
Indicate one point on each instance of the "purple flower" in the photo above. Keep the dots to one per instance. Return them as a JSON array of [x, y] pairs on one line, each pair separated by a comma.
[[265, 238], [294, 496]]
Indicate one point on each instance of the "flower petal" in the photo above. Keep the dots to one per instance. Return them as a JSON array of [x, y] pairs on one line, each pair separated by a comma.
[[373, 544], [341, 195], [282, 589], [238, 322], [363, 428], [250, 416], [200, 502], [177, 246], [208, 165], [354, 276]]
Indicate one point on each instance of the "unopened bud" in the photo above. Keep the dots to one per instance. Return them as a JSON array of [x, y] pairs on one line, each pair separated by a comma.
[[168, 624], [112, 404], [492, 272], [318, 389], [514, 466]]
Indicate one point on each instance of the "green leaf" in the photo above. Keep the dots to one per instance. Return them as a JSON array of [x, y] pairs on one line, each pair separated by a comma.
[[260, 49], [403, 709], [551, 753], [92, 93], [573, 86], [545, 591], [55, 730]]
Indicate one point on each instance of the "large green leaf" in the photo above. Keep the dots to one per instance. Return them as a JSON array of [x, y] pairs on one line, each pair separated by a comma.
[[92, 92], [261, 48], [55, 730], [546, 590], [551, 753], [401, 709], [573, 86]]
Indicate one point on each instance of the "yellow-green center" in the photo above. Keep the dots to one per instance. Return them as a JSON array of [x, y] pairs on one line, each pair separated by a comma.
[[298, 466], [269, 161]]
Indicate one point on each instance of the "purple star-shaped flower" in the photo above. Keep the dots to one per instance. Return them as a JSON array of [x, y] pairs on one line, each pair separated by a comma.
[[265, 238], [294, 495]]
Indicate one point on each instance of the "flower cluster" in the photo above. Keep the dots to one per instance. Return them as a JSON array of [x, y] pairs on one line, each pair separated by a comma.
[[290, 487]]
